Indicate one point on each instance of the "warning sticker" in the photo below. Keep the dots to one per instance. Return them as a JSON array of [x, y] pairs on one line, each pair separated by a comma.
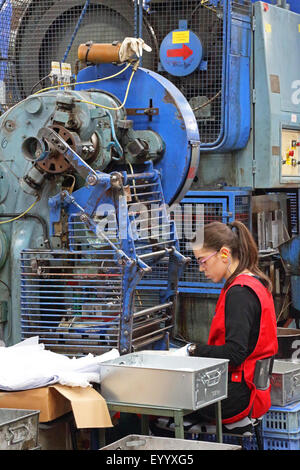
[[180, 37], [268, 28]]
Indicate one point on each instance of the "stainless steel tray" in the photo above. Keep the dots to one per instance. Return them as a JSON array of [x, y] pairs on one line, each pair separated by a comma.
[[285, 382], [18, 429], [164, 380], [137, 442]]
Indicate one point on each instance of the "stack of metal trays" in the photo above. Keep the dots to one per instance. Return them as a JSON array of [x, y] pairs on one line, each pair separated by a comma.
[[164, 380], [19, 429], [285, 382], [137, 442]]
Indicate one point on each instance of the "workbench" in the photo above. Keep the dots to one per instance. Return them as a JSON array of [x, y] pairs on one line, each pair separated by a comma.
[[146, 411]]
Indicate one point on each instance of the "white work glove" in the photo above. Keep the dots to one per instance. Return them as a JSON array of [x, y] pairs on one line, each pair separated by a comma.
[[181, 351], [131, 46]]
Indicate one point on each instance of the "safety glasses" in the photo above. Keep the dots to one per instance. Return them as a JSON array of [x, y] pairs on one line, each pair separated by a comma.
[[201, 262]]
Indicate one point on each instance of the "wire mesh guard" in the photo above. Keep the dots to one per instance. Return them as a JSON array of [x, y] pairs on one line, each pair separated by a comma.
[[71, 301], [36, 32], [74, 299], [206, 21], [204, 87]]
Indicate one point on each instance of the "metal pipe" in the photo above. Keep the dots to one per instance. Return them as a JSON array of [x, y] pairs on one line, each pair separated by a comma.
[[150, 310]]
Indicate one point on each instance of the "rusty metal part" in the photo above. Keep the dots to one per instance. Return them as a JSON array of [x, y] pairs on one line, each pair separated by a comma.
[[56, 163]]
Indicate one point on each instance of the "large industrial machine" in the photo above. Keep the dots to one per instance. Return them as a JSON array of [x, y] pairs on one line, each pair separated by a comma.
[[95, 176], [76, 162]]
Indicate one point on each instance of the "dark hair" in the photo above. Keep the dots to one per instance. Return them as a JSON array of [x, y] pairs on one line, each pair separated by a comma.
[[238, 238]]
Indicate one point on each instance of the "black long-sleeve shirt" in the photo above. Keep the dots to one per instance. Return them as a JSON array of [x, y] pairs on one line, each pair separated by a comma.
[[242, 323]]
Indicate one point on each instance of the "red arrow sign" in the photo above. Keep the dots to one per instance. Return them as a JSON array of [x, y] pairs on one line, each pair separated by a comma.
[[184, 52]]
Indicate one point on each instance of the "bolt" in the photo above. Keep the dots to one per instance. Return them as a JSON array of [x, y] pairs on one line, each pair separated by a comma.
[[92, 180]]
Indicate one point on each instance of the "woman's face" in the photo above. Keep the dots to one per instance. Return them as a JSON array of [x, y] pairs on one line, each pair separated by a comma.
[[211, 263]]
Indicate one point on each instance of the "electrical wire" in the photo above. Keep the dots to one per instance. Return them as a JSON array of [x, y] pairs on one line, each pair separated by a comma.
[[21, 215], [40, 81], [83, 83], [107, 107]]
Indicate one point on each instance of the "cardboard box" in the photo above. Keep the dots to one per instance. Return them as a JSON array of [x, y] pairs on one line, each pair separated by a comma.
[[89, 407]]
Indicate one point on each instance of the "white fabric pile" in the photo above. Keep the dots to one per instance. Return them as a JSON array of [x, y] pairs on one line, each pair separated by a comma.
[[29, 365]]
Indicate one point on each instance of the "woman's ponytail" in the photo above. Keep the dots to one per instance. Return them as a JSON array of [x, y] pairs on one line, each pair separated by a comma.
[[239, 239], [247, 254]]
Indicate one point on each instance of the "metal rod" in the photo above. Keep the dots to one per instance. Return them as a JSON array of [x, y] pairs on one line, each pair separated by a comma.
[[154, 244], [155, 227], [143, 185], [148, 311], [156, 253], [140, 176], [147, 193]]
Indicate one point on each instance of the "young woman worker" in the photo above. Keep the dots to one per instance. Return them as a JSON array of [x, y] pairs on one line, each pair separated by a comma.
[[243, 329]]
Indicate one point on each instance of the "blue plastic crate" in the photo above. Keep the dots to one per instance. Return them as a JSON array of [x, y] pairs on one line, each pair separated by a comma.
[[248, 443], [282, 420], [291, 442]]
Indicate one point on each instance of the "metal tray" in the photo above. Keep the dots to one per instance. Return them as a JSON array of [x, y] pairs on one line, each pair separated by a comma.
[[164, 380], [19, 429], [285, 382], [137, 442]]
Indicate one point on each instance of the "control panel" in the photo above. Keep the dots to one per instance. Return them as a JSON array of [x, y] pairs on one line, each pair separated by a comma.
[[290, 152]]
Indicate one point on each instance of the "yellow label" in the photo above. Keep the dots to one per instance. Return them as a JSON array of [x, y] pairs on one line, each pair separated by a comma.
[[268, 28], [179, 37], [288, 160], [299, 28]]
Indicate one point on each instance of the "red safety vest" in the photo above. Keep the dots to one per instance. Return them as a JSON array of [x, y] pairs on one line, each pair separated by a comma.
[[266, 345]]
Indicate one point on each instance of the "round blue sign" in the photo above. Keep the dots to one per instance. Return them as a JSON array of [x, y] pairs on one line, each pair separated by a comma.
[[181, 52]]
